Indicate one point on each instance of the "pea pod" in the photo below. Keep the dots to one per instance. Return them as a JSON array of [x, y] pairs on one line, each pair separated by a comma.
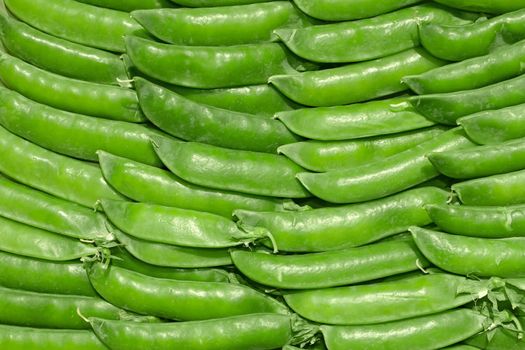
[[179, 300], [192, 121], [501, 64], [383, 178], [481, 257], [500, 339], [130, 5], [74, 21], [336, 86], [345, 226], [213, 3], [488, 6], [232, 170], [456, 43]]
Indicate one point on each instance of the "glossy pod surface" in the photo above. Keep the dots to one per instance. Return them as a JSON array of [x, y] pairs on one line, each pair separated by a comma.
[[213, 3], [336, 86], [130, 5], [489, 6]]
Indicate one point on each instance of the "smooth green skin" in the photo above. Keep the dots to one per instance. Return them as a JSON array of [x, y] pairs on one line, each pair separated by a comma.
[[98, 100], [178, 300], [47, 212], [145, 183], [18, 238], [461, 347], [43, 276], [344, 10], [74, 134], [217, 26], [495, 126], [247, 332], [488, 222], [487, 6], [24, 338], [482, 160], [193, 121], [167, 255], [501, 64], [233, 170], [368, 38], [422, 333], [77, 22], [325, 156], [197, 66], [358, 120], [337, 86], [481, 257], [386, 301], [130, 5], [447, 108], [329, 229], [330, 269], [214, 3], [58, 175], [383, 178], [60, 56], [502, 189], [161, 224], [457, 43]]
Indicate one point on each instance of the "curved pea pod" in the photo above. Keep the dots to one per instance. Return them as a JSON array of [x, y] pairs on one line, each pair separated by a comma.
[[461, 347], [447, 108], [233, 170], [197, 66], [25, 338], [98, 100], [345, 226], [77, 22], [456, 43], [217, 26], [495, 126], [368, 38], [488, 6], [502, 189], [74, 134], [383, 178], [488, 222], [354, 121], [193, 121], [481, 257], [178, 300], [325, 156], [130, 5], [213, 3], [501, 64], [443, 329], [336, 86], [330, 269]]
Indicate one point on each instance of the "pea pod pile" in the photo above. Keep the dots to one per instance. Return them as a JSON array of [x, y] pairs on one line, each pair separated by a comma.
[[262, 174]]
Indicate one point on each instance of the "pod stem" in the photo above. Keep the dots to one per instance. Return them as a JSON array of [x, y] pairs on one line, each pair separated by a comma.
[[254, 233], [303, 332]]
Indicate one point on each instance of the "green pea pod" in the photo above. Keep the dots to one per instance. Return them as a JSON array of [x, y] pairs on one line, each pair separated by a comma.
[[325, 156], [233, 170], [77, 22], [344, 226], [481, 257], [488, 222], [447, 108], [197, 66], [130, 5], [500, 339], [217, 26], [368, 38], [461, 347], [495, 126], [502, 189], [178, 300], [193, 121], [24, 338], [457, 43], [60, 56], [383, 178], [40, 210], [336, 86], [488, 6], [501, 64], [68, 94], [44, 276], [213, 3], [330, 269], [358, 120], [167, 255], [422, 333], [73, 134]]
